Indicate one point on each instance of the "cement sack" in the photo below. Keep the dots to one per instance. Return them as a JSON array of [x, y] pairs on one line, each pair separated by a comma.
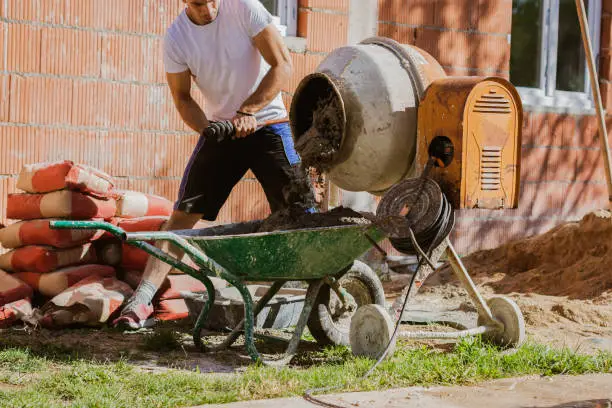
[[43, 259], [13, 289], [47, 177], [58, 204], [38, 232], [174, 286], [133, 259], [132, 204], [53, 283], [172, 309], [90, 302], [140, 224], [152, 223], [13, 312]]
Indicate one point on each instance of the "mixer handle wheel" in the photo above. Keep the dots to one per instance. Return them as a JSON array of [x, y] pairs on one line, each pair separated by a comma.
[[511, 330], [329, 321]]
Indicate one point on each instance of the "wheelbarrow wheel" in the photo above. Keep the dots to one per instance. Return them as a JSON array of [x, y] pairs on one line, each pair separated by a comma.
[[330, 322]]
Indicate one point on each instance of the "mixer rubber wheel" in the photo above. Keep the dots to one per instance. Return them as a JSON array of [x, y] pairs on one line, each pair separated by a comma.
[[371, 330], [507, 312], [329, 323]]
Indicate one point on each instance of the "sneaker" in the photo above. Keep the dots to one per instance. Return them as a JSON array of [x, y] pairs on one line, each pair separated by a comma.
[[135, 316]]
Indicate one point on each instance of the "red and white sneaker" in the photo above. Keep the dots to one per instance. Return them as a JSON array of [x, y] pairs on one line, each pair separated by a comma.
[[135, 316]]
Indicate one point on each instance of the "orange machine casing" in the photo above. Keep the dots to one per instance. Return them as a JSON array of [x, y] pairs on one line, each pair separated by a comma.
[[482, 117]]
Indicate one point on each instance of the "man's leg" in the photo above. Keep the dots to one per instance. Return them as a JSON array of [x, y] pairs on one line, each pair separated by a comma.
[[156, 270], [278, 168], [139, 307], [211, 174]]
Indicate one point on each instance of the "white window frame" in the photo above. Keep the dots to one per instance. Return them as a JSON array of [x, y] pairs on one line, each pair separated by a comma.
[[546, 95], [287, 11]]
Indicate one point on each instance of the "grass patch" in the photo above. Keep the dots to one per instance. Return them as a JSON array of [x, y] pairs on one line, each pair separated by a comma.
[[82, 383]]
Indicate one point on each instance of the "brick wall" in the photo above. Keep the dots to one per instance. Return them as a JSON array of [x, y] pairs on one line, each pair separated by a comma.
[[84, 80], [562, 171], [324, 25]]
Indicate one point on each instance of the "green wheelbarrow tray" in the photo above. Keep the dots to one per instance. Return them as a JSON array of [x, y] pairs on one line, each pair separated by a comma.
[[237, 254]]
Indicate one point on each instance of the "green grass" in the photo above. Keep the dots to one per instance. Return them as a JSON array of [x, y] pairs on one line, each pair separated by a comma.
[[50, 383]]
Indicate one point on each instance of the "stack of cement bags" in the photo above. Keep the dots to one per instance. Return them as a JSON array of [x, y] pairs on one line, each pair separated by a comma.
[[77, 270]]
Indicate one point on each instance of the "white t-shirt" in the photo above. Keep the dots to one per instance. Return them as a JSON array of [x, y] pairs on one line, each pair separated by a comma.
[[226, 65]]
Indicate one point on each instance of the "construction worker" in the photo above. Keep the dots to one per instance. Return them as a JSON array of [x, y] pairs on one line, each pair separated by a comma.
[[237, 58]]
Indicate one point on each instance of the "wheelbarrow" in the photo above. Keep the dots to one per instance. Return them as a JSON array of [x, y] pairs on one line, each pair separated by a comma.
[[323, 257]]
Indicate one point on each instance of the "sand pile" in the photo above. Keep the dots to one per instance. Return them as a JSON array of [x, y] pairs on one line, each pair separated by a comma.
[[572, 260]]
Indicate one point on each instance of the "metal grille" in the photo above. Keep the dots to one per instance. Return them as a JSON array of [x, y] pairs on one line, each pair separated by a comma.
[[493, 103], [490, 168]]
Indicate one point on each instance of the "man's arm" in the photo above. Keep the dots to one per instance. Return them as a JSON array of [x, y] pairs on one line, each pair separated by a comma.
[[188, 108], [274, 51]]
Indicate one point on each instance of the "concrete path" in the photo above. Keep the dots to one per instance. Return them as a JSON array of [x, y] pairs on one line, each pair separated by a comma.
[[525, 392]]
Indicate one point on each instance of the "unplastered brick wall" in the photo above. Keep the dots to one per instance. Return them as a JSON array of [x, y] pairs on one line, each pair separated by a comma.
[[467, 37], [324, 26], [84, 80], [561, 170]]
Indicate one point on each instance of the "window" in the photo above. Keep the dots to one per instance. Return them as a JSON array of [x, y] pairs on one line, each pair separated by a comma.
[[547, 61], [286, 11]]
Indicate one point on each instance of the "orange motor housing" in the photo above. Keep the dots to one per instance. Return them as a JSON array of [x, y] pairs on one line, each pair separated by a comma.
[[472, 126]]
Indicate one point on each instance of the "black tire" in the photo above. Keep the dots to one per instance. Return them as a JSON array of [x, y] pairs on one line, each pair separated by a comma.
[[365, 287]]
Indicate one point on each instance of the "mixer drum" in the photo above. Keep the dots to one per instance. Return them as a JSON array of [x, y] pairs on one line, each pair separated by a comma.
[[375, 88]]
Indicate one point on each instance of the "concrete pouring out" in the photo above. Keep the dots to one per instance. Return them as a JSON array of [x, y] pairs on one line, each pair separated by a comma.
[[319, 144]]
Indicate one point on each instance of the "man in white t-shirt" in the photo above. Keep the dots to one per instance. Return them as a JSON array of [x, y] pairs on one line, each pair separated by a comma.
[[236, 57]]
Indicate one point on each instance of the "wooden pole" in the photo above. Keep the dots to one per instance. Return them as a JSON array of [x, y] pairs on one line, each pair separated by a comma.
[[601, 118]]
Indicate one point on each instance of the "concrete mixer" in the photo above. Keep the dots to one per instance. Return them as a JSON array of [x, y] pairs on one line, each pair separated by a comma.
[[383, 118], [392, 105]]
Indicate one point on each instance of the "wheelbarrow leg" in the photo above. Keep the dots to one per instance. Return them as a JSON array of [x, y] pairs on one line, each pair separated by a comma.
[[231, 338], [197, 330], [311, 297], [249, 321]]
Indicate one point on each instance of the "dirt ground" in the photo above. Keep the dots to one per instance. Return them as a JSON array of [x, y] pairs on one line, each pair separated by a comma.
[[561, 281]]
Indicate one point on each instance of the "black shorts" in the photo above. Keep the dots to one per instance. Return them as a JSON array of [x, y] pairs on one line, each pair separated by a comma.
[[215, 168]]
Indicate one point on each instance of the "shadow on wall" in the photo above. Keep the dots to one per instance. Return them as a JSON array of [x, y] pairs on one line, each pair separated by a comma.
[[465, 36]]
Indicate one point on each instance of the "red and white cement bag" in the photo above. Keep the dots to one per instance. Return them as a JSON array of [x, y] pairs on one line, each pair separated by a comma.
[[140, 224], [152, 223], [58, 204], [132, 204], [171, 309], [13, 289], [175, 285], [133, 259], [53, 283], [38, 232], [43, 259], [47, 177], [90, 302], [12, 312]]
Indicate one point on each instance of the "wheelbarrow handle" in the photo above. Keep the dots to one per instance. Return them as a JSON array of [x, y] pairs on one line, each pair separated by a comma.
[[90, 225]]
